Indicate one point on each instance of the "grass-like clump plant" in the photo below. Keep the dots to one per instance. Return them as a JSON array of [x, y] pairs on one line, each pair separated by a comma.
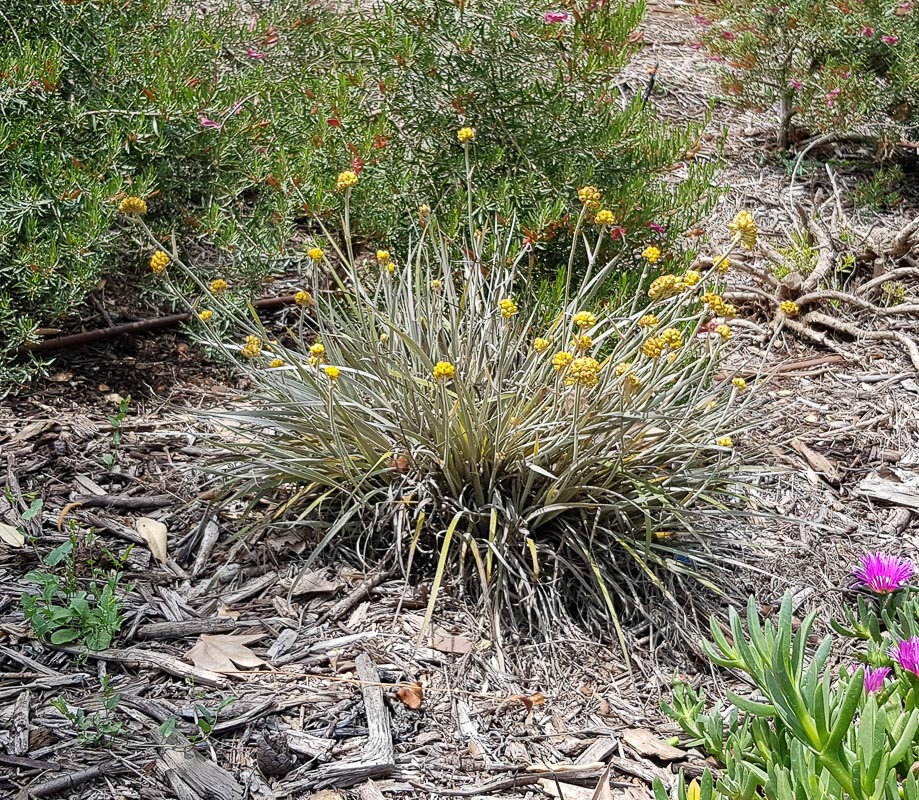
[[832, 725], [428, 403]]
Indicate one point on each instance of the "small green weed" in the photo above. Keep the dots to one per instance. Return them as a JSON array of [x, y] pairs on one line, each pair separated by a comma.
[[99, 729], [117, 422], [880, 190]]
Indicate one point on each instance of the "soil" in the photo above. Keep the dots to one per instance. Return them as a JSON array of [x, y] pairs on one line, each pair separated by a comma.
[[463, 715]]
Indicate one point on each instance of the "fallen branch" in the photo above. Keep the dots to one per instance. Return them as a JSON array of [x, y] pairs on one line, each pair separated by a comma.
[[72, 780]]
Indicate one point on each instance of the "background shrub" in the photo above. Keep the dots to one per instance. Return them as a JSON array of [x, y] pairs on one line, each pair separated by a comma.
[[829, 65]]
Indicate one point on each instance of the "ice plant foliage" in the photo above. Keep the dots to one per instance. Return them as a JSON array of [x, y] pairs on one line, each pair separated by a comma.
[[883, 573]]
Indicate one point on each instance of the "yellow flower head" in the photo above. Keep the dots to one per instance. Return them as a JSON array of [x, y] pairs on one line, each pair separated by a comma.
[[716, 303], [665, 286], [725, 441], [389, 266], [711, 405], [583, 342], [648, 321], [789, 308], [604, 217], [158, 262], [303, 298], [383, 256], [444, 371], [332, 372], [346, 180], [691, 277], [424, 211], [561, 360], [219, 286], [465, 135], [653, 347], [317, 350], [133, 205], [744, 226], [508, 307], [672, 337], [590, 197], [435, 284], [723, 331], [651, 254], [723, 263], [584, 371], [205, 315], [275, 363], [384, 338], [740, 384], [622, 367], [728, 310], [315, 253], [540, 345], [584, 319], [252, 347]]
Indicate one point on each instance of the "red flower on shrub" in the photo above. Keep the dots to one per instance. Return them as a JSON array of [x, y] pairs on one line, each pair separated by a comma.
[[890, 39]]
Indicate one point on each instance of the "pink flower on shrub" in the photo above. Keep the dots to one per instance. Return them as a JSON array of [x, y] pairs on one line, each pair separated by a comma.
[[883, 573], [253, 53], [875, 677], [206, 122], [703, 20], [889, 38], [867, 31], [729, 35], [657, 228], [831, 96], [553, 17], [906, 654], [796, 83], [237, 107]]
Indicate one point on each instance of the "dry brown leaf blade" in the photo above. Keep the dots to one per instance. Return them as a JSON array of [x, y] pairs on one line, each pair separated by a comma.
[[12, 536], [225, 653], [647, 745], [154, 533]]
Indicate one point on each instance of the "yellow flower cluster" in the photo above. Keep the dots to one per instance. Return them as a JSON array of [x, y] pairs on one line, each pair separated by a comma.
[[744, 226], [205, 315], [672, 337], [691, 277], [158, 262], [540, 345], [648, 321], [653, 347], [604, 217], [317, 353], [665, 286], [465, 135], [651, 254], [332, 372], [723, 263], [275, 363], [584, 319], [315, 253], [716, 303], [435, 284], [561, 360], [444, 371], [303, 298], [508, 307], [723, 331], [133, 205], [790, 308], [252, 347], [219, 286], [583, 342], [622, 367], [584, 371], [590, 197], [346, 180], [740, 384], [383, 257], [424, 211], [725, 441]]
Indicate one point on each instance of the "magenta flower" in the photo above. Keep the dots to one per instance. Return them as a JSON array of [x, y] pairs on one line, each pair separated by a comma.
[[883, 573], [237, 107], [729, 35], [867, 31], [703, 20], [906, 654], [875, 677], [796, 84], [207, 122], [253, 53], [890, 38], [831, 96], [657, 228], [552, 17]]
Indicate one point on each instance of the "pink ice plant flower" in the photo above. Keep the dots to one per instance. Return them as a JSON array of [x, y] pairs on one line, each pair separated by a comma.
[[906, 654], [875, 677], [883, 573], [553, 17]]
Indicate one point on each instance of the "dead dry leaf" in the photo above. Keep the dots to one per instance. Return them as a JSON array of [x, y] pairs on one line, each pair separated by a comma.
[[412, 695], [451, 643], [528, 700], [225, 653], [225, 612], [327, 794], [154, 533], [819, 463], [310, 582], [568, 791], [603, 790], [647, 745], [12, 536]]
